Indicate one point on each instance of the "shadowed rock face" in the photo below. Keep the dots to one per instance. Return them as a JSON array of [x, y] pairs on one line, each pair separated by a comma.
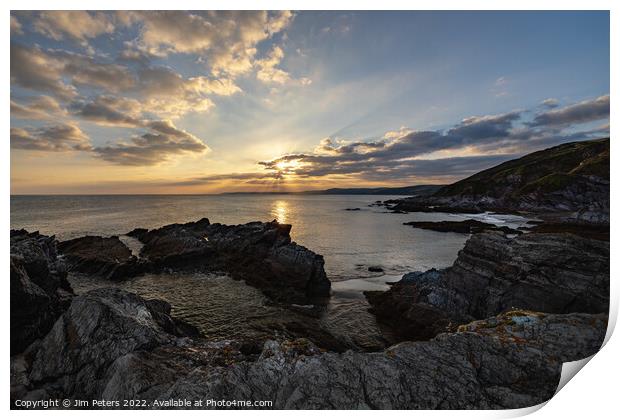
[[39, 288], [262, 254], [110, 345], [106, 257], [557, 273], [99, 327]]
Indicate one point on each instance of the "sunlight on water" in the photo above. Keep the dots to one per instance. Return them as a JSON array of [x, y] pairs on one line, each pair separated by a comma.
[[280, 211]]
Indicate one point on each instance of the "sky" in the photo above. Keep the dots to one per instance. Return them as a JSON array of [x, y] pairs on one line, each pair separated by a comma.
[[215, 101]]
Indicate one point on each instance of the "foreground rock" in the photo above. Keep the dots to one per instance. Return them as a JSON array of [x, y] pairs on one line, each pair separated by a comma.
[[468, 226], [556, 273], [110, 345], [39, 288]]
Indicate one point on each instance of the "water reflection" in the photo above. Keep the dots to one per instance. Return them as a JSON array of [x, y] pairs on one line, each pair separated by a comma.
[[280, 211]]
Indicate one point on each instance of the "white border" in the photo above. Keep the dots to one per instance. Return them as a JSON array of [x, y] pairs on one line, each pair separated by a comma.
[[591, 395]]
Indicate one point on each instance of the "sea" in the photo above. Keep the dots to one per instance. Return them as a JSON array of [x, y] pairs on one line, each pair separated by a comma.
[[351, 241]]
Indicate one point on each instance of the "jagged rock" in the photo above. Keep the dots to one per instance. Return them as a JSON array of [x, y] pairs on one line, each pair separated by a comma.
[[99, 327], [106, 257], [116, 350], [39, 288], [175, 245], [262, 254], [463, 226], [556, 273]]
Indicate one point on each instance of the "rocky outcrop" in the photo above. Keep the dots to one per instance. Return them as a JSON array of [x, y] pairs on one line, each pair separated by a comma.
[[468, 226], [556, 273], [95, 255], [39, 288], [265, 257], [109, 345], [262, 254], [176, 245]]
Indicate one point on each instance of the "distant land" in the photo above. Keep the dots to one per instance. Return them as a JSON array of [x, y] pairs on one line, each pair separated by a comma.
[[569, 178], [413, 190]]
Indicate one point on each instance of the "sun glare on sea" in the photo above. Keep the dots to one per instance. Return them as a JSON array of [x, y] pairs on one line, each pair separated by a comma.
[[280, 211]]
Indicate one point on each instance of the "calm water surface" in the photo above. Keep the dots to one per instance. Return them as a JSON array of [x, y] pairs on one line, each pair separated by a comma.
[[350, 241]]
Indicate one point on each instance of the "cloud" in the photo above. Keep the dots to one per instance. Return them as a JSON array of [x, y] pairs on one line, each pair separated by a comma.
[[33, 69], [244, 176], [86, 70], [582, 112], [500, 86], [226, 40], [168, 94], [56, 138], [477, 128], [550, 103], [162, 142], [76, 24], [39, 108], [164, 92], [16, 27], [268, 72], [45, 71], [110, 111]]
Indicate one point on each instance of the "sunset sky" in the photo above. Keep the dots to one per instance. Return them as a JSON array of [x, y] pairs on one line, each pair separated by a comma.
[[209, 102]]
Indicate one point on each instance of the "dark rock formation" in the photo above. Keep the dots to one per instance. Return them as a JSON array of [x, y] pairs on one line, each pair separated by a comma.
[[106, 257], [109, 346], [556, 273], [463, 226], [570, 180], [98, 328], [353, 209], [175, 245], [262, 254], [592, 231], [375, 269], [39, 288]]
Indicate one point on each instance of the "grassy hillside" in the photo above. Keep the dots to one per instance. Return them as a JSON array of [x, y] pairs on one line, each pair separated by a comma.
[[541, 172]]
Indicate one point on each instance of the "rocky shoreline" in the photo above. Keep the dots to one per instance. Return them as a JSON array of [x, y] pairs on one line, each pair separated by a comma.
[[261, 254], [491, 331], [493, 273], [568, 183]]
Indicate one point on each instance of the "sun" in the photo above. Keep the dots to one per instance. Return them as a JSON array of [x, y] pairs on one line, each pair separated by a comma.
[[287, 165]]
